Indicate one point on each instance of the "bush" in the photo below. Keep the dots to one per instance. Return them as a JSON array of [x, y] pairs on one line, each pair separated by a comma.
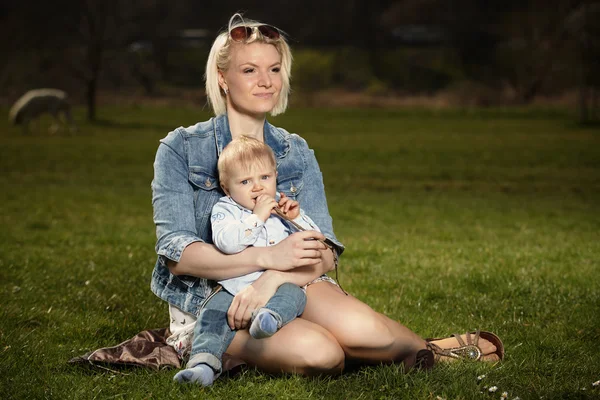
[[186, 66], [411, 70], [417, 69], [352, 68], [377, 87], [312, 70], [473, 94]]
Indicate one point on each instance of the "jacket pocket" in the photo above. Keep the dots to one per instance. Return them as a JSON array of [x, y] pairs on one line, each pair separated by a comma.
[[206, 193], [291, 186], [202, 179], [182, 281]]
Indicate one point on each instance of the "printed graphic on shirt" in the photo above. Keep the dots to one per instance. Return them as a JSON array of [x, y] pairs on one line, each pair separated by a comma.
[[218, 216]]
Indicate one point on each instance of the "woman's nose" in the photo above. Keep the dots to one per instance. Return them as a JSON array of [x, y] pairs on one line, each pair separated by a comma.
[[264, 79]]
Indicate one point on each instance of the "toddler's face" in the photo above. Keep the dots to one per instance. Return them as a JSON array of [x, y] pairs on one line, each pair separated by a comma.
[[246, 184]]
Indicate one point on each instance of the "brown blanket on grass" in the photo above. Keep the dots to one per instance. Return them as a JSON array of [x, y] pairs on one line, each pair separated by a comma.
[[146, 349]]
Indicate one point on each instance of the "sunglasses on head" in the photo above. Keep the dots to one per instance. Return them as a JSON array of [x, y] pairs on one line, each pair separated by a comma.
[[242, 32]]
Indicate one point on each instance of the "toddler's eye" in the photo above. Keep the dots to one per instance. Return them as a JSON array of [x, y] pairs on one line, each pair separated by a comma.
[[244, 182], [265, 177]]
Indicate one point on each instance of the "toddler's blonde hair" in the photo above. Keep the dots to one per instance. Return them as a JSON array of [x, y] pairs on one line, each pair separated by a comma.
[[244, 153]]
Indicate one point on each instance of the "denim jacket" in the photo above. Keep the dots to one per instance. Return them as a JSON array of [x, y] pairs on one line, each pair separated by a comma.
[[186, 187]]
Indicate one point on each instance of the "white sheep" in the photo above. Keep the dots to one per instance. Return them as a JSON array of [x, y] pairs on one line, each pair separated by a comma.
[[36, 102]]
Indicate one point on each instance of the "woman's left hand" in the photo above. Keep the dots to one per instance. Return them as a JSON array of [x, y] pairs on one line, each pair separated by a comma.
[[251, 298]]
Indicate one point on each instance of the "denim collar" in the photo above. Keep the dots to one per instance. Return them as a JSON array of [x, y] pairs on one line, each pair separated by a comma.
[[272, 136]]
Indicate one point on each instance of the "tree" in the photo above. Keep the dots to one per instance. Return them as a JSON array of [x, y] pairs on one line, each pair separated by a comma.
[[583, 25], [72, 33], [532, 46], [81, 35], [97, 29]]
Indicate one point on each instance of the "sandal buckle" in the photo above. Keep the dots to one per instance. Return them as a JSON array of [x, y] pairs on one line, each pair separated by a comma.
[[470, 352]]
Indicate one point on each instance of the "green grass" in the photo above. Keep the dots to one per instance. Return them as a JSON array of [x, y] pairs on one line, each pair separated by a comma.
[[452, 220]]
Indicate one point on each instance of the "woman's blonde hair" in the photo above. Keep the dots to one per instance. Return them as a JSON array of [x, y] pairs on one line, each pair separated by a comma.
[[244, 152], [220, 56]]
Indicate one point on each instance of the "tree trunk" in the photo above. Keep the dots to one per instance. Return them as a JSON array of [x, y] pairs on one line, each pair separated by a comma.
[[584, 107], [594, 105], [91, 98]]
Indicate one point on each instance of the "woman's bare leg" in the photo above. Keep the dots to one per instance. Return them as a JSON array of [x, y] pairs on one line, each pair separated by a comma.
[[365, 334], [340, 327], [299, 347]]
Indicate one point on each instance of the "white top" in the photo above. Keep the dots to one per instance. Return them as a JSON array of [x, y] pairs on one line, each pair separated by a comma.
[[234, 228]]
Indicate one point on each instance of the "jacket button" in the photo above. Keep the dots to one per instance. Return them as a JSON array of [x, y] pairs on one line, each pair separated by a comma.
[[208, 182], [293, 189]]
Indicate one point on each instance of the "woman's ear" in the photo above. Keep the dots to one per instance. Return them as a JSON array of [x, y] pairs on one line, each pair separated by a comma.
[[222, 82]]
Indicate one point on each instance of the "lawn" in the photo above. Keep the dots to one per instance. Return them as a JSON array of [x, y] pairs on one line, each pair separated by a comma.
[[452, 220]]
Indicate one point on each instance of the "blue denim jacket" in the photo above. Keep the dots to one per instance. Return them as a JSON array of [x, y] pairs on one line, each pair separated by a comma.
[[186, 187]]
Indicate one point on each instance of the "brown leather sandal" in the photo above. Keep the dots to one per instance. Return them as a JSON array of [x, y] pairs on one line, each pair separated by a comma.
[[425, 359], [469, 350]]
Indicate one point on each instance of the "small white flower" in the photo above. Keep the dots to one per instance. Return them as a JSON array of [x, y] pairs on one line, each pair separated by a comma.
[[480, 377], [596, 384], [504, 395], [493, 389], [517, 398]]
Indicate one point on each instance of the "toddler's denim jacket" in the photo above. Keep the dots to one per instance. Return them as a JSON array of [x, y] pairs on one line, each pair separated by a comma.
[[186, 186]]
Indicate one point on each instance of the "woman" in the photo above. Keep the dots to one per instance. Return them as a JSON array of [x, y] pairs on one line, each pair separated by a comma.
[[247, 76]]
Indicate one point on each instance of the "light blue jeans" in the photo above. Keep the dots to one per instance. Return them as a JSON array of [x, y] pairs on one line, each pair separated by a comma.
[[212, 334]]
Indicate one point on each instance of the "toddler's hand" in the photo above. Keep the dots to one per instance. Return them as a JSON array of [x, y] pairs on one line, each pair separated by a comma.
[[289, 207], [264, 205]]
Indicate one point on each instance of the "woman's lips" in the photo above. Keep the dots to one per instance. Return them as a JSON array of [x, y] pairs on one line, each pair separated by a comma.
[[264, 95]]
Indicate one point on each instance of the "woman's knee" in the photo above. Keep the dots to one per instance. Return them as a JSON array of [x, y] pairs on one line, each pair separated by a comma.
[[364, 331], [319, 353]]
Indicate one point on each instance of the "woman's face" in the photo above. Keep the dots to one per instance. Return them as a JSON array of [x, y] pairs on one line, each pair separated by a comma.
[[253, 78]]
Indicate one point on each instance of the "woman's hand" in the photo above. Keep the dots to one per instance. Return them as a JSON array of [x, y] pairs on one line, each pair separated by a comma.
[[252, 298], [300, 249], [258, 293]]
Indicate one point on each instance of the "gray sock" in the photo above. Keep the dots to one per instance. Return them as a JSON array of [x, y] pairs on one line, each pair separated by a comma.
[[264, 325], [201, 374]]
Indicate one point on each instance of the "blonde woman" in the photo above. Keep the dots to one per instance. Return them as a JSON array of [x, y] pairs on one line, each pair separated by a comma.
[[248, 76]]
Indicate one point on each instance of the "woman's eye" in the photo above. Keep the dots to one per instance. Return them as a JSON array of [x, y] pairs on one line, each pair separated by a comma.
[[276, 69], [248, 70]]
